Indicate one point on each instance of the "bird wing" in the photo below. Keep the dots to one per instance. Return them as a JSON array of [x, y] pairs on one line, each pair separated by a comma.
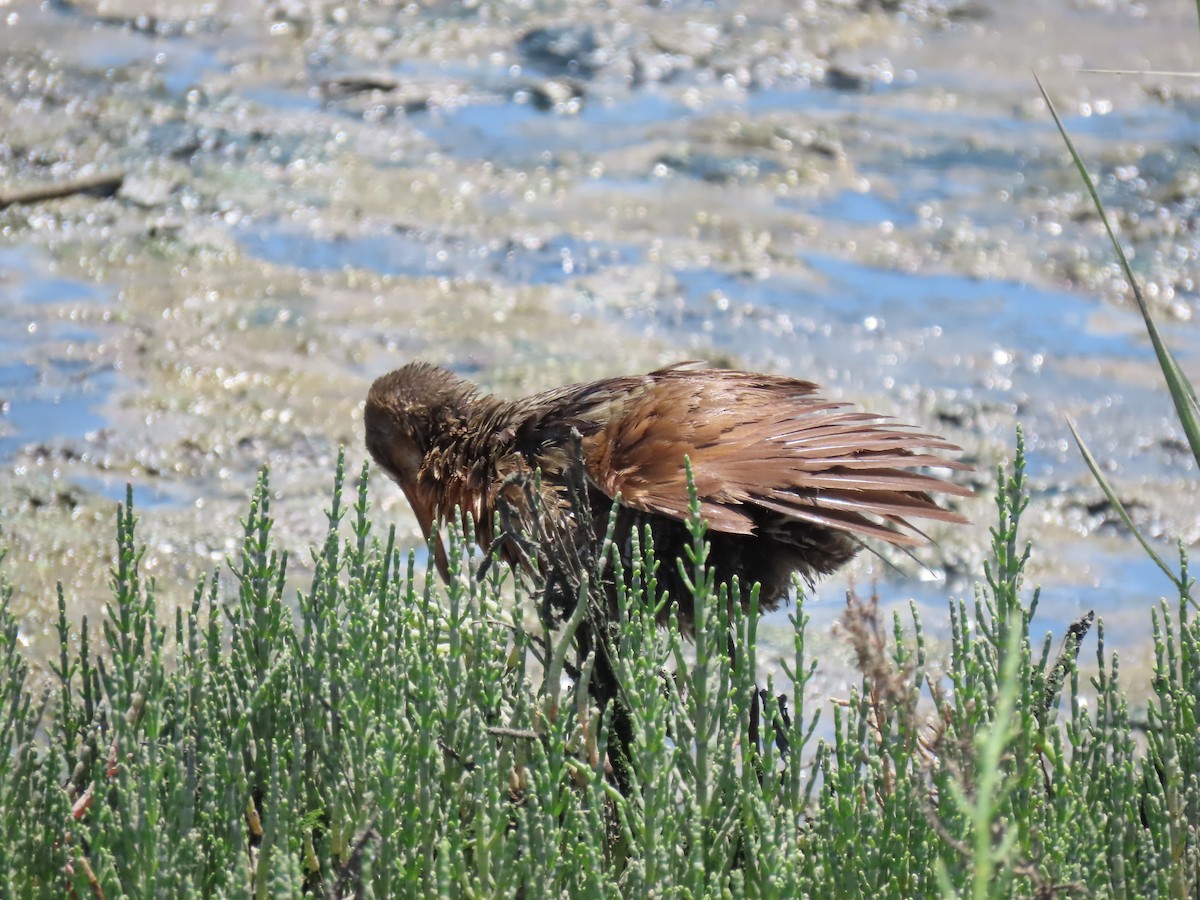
[[757, 444]]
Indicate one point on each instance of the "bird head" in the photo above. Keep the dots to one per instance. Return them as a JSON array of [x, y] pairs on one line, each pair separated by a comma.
[[407, 412]]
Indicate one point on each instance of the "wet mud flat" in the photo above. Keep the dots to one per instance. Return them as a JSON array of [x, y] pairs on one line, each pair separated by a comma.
[[868, 195]]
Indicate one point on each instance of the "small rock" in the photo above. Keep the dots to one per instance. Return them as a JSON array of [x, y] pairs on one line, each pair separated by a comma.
[[570, 48], [146, 191], [846, 78], [559, 95], [341, 85]]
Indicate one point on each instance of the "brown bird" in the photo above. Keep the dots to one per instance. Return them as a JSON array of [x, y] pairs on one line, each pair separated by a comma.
[[787, 482]]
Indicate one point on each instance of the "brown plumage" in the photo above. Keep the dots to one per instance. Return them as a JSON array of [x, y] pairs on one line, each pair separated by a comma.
[[788, 482]]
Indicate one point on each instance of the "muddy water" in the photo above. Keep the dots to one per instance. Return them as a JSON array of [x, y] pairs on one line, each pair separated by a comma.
[[868, 195]]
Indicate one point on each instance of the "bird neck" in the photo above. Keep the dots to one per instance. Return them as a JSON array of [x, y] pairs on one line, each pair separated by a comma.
[[461, 455]]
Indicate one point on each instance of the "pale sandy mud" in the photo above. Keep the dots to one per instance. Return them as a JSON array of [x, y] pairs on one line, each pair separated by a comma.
[[869, 195]]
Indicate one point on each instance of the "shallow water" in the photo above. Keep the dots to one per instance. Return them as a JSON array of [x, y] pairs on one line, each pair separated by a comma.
[[418, 253], [879, 203], [50, 384]]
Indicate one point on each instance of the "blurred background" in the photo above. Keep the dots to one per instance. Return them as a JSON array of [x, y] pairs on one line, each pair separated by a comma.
[[264, 205]]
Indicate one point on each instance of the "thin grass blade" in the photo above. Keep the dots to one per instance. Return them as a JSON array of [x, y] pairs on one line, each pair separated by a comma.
[[1118, 505], [1183, 393], [1167, 73]]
